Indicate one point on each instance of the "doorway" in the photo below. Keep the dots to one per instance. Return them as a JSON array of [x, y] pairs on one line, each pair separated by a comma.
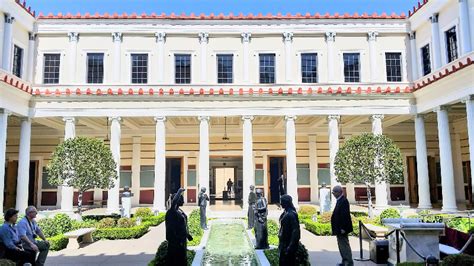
[[412, 180], [222, 169], [277, 168], [11, 183], [173, 176]]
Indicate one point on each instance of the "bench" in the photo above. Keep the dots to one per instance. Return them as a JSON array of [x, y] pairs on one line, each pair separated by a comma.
[[73, 236], [448, 250], [375, 231]]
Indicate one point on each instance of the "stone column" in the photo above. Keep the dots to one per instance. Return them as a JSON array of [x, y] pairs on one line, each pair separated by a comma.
[[372, 38], [313, 168], [446, 161], [3, 150], [23, 166], [72, 53], [333, 121], [246, 56], [7, 43], [113, 205], [160, 165], [291, 173], [330, 38], [203, 40], [136, 168], [248, 160], [435, 40], [31, 56], [470, 131], [204, 152], [413, 54], [424, 200], [464, 27], [288, 39], [67, 193], [381, 189], [160, 40], [117, 40], [457, 168]]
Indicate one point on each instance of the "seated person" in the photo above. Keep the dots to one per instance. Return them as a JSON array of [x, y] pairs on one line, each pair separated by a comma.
[[28, 231], [9, 236]]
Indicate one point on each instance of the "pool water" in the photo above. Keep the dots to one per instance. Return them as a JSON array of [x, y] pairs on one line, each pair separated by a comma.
[[228, 244]]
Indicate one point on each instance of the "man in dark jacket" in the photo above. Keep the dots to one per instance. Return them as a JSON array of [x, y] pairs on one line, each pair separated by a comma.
[[342, 225]]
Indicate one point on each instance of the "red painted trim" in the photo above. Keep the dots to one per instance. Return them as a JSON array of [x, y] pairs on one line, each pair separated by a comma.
[[417, 8], [27, 9], [15, 82]]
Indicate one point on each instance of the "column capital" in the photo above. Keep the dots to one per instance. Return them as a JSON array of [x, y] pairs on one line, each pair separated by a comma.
[[203, 37], [246, 36], [204, 118], [434, 18], [5, 111], [372, 35], [160, 36], [248, 117], [334, 117], [115, 118], [9, 19], [25, 119], [73, 36], [422, 116], [69, 119], [462, 1], [377, 117], [161, 119], [288, 36], [117, 36], [441, 108], [467, 99], [412, 35], [31, 36], [330, 36], [290, 117]]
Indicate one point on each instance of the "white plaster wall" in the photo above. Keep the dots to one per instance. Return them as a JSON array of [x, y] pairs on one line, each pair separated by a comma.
[[2, 33], [52, 44], [350, 44]]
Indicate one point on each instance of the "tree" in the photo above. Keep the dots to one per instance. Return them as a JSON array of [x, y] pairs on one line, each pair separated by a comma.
[[82, 163], [369, 159]]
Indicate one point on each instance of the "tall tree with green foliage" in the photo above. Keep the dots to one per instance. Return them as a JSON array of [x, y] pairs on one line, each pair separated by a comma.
[[82, 163], [369, 159]]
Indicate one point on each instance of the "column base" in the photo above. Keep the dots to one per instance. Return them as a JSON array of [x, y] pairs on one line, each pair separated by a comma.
[[449, 209], [425, 207], [381, 207], [112, 211]]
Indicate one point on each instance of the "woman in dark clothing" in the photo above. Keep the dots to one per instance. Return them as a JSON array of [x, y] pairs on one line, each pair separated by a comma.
[[289, 234]]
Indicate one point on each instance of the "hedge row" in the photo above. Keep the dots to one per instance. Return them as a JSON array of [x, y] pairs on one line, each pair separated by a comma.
[[324, 229], [160, 256], [57, 242], [121, 233]]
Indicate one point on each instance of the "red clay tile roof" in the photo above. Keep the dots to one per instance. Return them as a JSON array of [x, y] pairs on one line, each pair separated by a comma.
[[417, 8], [15, 82], [27, 9], [221, 16]]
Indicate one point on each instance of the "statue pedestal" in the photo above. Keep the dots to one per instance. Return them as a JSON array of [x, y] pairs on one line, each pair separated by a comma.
[[127, 206], [423, 237]]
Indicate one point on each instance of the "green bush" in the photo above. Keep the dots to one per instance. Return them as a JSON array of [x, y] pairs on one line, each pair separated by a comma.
[[302, 258], [59, 224], [273, 230], [160, 256], [307, 210], [121, 233], [143, 212], [106, 223], [83, 224], [358, 214], [57, 242], [458, 260], [5, 262], [100, 217], [324, 229], [390, 213], [325, 217], [154, 220], [125, 223], [195, 229]]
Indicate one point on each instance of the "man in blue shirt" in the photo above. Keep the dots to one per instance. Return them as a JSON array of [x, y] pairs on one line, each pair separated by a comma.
[[28, 231], [10, 239]]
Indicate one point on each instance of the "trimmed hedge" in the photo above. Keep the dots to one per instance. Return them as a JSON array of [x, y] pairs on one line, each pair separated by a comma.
[[302, 258], [143, 212], [194, 226], [57, 242], [458, 260], [121, 233], [390, 213], [100, 217], [160, 256], [324, 229], [154, 220]]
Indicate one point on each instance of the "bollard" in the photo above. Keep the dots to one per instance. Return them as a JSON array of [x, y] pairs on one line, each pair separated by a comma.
[[431, 261]]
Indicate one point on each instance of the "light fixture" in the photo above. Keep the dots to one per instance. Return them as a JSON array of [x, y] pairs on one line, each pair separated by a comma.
[[225, 138]]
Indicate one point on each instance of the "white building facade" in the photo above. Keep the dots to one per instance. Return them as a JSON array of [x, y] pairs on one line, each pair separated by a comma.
[[194, 100]]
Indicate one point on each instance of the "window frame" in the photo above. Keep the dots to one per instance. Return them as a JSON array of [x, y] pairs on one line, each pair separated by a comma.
[[131, 53], [443, 45], [402, 65], [190, 67], [232, 55], [360, 53], [43, 55], [300, 66], [446, 44], [422, 64], [104, 54], [258, 53], [22, 60]]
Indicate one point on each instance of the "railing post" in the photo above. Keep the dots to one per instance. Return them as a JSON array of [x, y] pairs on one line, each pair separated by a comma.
[[397, 235]]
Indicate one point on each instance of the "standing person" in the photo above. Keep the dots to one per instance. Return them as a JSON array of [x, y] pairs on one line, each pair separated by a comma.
[[251, 210], [289, 234], [28, 231], [261, 230], [229, 186], [341, 224], [202, 202], [177, 232], [10, 239], [281, 185]]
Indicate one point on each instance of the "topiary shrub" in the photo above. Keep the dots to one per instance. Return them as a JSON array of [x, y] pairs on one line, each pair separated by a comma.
[[143, 212], [154, 220], [307, 210], [302, 258], [106, 223], [273, 230], [100, 217], [57, 242], [83, 224], [121, 233], [390, 213], [160, 256], [458, 260], [59, 224], [125, 223], [195, 229], [325, 217]]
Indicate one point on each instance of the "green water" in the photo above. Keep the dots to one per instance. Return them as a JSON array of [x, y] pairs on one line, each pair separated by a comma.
[[228, 244]]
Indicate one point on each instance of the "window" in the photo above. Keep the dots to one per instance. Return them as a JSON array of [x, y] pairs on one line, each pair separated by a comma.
[[451, 44], [139, 68], [426, 59], [351, 67], [182, 65], [51, 68], [309, 68], [267, 68], [225, 68], [95, 68], [125, 176], [393, 64], [17, 61]]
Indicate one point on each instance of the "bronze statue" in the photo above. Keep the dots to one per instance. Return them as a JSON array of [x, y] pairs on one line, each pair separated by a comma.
[[177, 232], [251, 210], [202, 202], [261, 230], [289, 234]]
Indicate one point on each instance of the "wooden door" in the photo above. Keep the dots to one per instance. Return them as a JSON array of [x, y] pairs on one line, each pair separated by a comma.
[[10, 184], [412, 179], [433, 179]]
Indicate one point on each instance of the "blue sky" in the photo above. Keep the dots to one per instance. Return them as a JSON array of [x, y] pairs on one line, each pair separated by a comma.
[[224, 6]]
